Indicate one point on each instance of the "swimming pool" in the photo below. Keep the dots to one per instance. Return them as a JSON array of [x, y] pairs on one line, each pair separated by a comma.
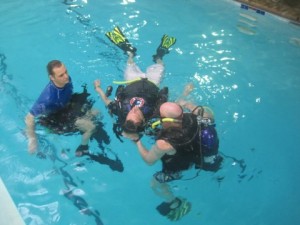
[[243, 64]]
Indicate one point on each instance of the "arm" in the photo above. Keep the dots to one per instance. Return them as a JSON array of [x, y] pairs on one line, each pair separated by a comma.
[[101, 93], [188, 105], [203, 111], [183, 103], [30, 132], [157, 151]]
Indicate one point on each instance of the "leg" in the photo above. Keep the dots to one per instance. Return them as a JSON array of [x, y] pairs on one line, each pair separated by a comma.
[[155, 72], [132, 71], [173, 207], [130, 60], [86, 126], [159, 61], [162, 190]]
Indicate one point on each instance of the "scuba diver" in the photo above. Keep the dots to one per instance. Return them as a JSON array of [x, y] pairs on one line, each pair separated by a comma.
[[138, 98], [186, 139]]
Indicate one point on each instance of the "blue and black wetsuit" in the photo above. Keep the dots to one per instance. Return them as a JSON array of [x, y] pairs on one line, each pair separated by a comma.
[[52, 99], [58, 108]]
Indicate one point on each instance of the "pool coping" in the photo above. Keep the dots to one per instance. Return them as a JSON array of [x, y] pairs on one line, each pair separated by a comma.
[[294, 19], [9, 213]]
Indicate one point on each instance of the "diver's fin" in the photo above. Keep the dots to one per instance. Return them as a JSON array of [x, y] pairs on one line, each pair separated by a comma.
[[166, 207], [117, 37], [163, 48], [179, 212], [82, 150]]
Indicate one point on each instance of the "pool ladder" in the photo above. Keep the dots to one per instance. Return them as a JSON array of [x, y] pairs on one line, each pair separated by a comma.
[[247, 21]]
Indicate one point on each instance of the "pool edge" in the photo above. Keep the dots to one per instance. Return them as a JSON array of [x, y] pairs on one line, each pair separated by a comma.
[[9, 213], [291, 19]]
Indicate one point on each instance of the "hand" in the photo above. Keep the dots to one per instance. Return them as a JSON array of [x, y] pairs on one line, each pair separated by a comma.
[[133, 136], [32, 145], [97, 84], [188, 89], [181, 102]]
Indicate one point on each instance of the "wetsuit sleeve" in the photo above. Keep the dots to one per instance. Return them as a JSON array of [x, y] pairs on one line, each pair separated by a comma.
[[52, 99], [39, 107]]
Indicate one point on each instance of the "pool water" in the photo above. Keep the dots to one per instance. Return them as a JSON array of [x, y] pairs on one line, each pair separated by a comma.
[[244, 65]]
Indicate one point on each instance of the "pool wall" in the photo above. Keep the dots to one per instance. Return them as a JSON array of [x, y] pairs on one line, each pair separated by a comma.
[[283, 9], [8, 211]]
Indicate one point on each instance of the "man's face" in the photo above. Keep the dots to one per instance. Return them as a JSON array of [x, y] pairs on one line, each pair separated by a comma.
[[60, 76], [136, 115]]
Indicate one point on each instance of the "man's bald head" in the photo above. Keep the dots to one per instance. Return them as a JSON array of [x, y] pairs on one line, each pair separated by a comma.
[[170, 110]]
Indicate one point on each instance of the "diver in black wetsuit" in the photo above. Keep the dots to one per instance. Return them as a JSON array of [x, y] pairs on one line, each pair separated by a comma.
[[138, 100], [185, 140]]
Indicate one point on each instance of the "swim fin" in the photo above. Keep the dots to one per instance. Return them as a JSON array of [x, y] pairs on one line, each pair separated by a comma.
[[181, 211], [163, 48], [165, 207], [117, 37], [82, 150], [174, 210]]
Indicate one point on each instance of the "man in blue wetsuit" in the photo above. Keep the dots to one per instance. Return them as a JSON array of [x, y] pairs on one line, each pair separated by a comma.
[[60, 110], [185, 140]]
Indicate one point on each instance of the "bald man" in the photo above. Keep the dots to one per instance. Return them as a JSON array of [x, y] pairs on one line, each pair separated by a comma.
[[186, 140]]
